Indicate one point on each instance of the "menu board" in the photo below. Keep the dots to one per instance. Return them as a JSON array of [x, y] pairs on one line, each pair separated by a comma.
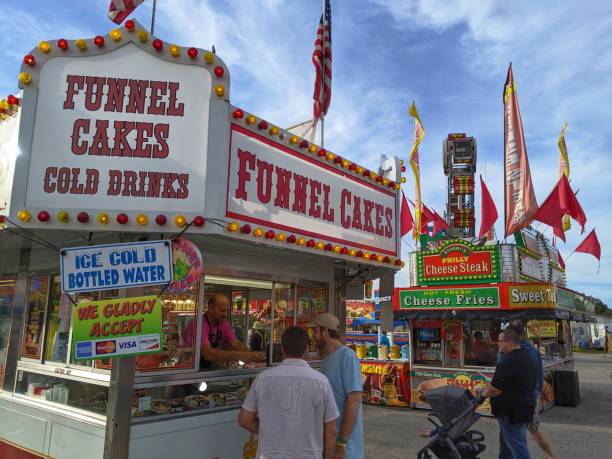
[[530, 267], [38, 291]]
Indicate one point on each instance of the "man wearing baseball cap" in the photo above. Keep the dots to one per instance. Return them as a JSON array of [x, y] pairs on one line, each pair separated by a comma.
[[341, 367]]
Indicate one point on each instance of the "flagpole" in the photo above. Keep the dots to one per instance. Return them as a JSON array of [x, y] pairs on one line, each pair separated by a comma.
[[153, 17], [323, 81]]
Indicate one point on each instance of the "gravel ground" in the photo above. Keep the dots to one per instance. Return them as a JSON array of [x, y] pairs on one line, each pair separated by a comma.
[[581, 432]]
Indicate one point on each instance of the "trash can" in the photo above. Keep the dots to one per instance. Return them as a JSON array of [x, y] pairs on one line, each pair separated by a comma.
[[567, 388]]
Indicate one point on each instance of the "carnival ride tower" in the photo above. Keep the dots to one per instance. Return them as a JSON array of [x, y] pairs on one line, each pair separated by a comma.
[[459, 160]]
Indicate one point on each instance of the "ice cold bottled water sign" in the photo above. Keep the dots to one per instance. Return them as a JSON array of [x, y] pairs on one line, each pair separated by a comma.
[[115, 266]]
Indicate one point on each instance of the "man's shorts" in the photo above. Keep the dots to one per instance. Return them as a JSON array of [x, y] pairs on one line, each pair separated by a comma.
[[534, 425]]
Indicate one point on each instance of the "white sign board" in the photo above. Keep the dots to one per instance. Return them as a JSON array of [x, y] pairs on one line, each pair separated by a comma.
[[115, 266], [274, 186], [128, 132], [530, 267], [9, 129]]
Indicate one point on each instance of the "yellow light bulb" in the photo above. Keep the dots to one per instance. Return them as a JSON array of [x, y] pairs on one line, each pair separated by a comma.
[[251, 119], [179, 220], [258, 232], [380, 258], [175, 50], [143, 36], [142, 219], [385, 181], [320, 245], [346, 163], [281, 237], [24, 215], [337, 249], [301, 241], [403, 179], [403, 264], [366, 255], [360, 170], [331, 156], [352, 252], [3, 117], [25, 78], [294, 139], [401, 162], [63, 216], [115, 34], [313, 149], [103, 218], [220, 90], [209, 57], [44, 47], [397, 186], [274, 130], [81, 44], [233, 227], [4, 104]]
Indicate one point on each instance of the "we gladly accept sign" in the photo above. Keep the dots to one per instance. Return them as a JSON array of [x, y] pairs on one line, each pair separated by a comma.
[[458, 262], [275, 186], [115, 266]]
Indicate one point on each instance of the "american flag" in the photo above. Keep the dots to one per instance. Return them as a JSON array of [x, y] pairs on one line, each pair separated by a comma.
[[322, 60], [118, 10]]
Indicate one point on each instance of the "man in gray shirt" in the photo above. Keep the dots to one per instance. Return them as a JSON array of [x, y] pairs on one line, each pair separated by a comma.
[[291, 406]]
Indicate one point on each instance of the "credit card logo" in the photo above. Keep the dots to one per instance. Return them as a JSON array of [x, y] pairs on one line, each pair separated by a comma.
[[149, 344], [105, 347], [83, 349]]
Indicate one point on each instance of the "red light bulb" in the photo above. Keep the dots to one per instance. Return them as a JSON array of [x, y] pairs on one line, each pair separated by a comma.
[[373, 257], [219, 71], [83, 217], [328, 247], [270, 234], [43, 216], [304, 144], [386, 259], [322, 152], [238, 114], [366, 173], [245, 229], [352, 167], [359, 254], [122, 219], [291, 239], [379, 179], [161, 220], [99, 41], [29, 60], [398, 262], [129, 24], [192, 53], [157, 44], [344, 251], [310, 243], [338, 160], [62, 43], [263, 125], [198, 221], [12, 100]]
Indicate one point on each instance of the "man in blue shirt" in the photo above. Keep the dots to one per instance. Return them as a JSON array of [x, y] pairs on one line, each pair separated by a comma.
[[536, 357], [342, 368]]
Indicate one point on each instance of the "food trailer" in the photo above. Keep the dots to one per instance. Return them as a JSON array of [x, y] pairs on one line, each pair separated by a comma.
[[125, 138], [463, 295]]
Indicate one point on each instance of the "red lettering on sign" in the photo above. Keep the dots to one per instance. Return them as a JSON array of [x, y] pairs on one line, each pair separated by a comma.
[[75, 84], [315, 191], [94, 90], [247, 159], [158, 89], [99, 144], [299, 193], [283, 187], [80, 126], [264, 181], [173, 108], [116, 94], [345, 199], [328, 211]]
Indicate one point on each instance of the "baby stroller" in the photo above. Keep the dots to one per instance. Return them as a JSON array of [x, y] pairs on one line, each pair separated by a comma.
[[454, 412]]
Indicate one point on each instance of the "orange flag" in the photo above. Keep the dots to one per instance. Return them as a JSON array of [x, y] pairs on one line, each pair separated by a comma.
[[520, 202]]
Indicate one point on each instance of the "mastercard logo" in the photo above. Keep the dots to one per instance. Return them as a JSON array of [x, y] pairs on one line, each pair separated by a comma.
[[105, 347]]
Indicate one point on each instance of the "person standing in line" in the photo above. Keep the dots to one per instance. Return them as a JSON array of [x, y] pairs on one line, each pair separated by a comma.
[[534, 426], [342, 368], [512, 392], [291, 406]]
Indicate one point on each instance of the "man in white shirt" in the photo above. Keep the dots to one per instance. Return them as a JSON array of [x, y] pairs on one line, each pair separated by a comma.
[[291, 406]]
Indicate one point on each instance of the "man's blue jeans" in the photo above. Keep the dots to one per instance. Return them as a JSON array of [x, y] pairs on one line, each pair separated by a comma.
[[512, 440]]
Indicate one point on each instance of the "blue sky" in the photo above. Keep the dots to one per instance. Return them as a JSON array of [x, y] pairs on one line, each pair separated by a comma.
[[451, 57]]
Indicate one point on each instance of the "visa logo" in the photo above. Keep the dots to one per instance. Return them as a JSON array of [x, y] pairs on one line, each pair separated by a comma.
[[127, 345]]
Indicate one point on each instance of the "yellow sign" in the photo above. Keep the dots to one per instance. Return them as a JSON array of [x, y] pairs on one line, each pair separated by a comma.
[[541, 329], [531, 296]]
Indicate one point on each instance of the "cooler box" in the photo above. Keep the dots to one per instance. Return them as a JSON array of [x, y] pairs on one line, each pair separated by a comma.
[[567, 388]]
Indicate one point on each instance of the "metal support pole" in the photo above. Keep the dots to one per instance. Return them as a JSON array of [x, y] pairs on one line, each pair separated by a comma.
[[153, 17], [118, 417]]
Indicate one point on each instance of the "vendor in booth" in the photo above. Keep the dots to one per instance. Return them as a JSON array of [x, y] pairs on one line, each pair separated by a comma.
[[219, 344]]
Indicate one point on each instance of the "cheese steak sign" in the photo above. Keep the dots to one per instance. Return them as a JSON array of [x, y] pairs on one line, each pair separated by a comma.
[[458, 262], [274, 186]]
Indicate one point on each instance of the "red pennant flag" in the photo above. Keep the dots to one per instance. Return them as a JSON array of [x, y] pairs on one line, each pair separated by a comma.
[[488, 211], [561, 201], [427, 216], [560, 260], [439, 223], [590, 245], [407, 223], [520, 203]]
